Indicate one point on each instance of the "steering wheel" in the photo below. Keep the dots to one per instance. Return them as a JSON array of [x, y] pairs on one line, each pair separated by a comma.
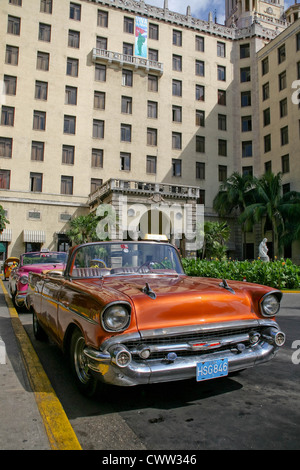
[[148, 264]]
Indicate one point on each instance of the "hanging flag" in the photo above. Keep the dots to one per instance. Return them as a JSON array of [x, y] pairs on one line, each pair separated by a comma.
[[141, 36]]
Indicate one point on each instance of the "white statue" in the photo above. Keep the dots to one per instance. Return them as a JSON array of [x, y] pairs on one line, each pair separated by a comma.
[[263, 250]]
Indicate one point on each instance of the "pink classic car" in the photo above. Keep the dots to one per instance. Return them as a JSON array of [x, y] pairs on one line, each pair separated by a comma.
[[37, 262]]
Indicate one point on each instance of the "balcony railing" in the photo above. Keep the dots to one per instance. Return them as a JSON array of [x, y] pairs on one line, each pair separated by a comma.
[[125, 59], [144, 188]]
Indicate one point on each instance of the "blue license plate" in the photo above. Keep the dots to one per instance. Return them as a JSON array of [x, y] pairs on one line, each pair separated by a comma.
[[212, 369]]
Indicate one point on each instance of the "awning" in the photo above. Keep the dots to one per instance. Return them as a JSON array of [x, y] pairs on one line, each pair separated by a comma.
[[6, 235], [34, 236]]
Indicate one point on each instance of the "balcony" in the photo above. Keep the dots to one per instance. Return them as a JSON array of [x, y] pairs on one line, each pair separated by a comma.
[[153, 66]]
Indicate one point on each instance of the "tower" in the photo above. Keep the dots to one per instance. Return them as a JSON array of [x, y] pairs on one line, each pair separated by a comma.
[[242, 13]]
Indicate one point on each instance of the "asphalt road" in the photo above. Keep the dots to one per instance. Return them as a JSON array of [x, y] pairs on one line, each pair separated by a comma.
[[257, 409]]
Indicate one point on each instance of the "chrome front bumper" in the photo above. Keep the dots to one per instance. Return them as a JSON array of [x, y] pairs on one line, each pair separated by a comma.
[[103, 364]]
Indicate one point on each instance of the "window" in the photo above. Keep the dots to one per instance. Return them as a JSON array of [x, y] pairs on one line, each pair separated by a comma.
[[36, 181], [72, 67], [221, 49], [42, 62], [285, 163], [125, 133], [245, 98], [151, 136], [222, 97], [176, 167], [46, 6], [14, 25], [39, 120], [152, 109], [66, 185], [222, 147], [7, 116], [44, 32], [282, 80], [151, 162], [70, 95], [97, 158], [100, 73], [126, 105], [200, 171], [245, 74], [200, 118], [199, 43], [283, 107], [126, 77], [5, 147], [75, 11], [68, 154], [284, 135], [267, 143], [10, 85], [176, 140], [127, 49], [4, 179], [265, 66], [128, 25], [153, 31], [176, 113], [41, 90], [73, 39], [221, 73], [222, 122], [37, 151], [199, 68], [177, 38], [266, 91], [125, 161], [222, 173], [266, 117], [102, 19], [152, 83], [200, 143], [177, 63], [244, 51], [99, 100], [95, 184], [247, 170], [200, 93], [12, 55], [98, 129], [176, 88], [281, 54], [15, 2], [298, 42], [246, 123], [69, 124], [101, 43], [247, 148], [268, 166], [153, 54]]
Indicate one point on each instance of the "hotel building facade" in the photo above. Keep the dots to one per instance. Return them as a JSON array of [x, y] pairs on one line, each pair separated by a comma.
[[104, 100]]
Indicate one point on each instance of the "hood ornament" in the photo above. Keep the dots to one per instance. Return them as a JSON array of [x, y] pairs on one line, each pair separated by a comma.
[[225, 285], [148, 291]]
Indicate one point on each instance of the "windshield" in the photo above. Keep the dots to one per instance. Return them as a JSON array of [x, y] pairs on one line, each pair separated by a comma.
[[43, 258], [108, 258]]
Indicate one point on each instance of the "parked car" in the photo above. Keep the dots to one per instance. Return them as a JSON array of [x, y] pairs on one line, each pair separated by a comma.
[[127, 314], [37, 262], [9, 264]]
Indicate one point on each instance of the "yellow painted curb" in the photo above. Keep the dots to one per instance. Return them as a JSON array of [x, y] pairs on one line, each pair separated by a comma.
[[58, 428]]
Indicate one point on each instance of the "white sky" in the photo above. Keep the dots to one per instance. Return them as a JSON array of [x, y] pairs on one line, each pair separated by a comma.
[[200, 8]]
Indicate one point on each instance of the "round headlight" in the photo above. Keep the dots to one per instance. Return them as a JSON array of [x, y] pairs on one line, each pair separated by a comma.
[[270, 305], [115, 318], [24, 280]]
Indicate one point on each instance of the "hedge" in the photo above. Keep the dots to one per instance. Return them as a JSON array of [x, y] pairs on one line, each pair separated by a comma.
[[281, 274]]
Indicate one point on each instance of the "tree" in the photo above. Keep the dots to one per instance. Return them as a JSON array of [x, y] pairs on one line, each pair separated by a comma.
[[215, 236], [3, 220], [83, 229]]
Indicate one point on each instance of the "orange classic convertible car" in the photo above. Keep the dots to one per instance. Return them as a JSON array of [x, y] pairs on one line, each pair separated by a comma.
[[127, 314]]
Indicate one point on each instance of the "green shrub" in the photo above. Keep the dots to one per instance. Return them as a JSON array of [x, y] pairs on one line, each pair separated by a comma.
[[281, 274]]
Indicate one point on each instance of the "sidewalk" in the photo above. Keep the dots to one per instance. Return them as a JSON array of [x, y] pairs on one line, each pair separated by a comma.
[[31, 417]]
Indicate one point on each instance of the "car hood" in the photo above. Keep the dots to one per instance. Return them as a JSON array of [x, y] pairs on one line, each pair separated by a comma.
[[183, 300]]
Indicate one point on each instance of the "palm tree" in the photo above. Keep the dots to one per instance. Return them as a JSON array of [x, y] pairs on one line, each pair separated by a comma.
[[83, 229], [278, 209], [234, 196]]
